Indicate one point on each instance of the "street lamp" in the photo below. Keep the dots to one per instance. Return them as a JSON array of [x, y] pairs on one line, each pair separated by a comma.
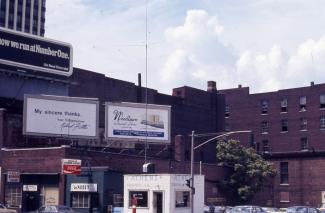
[[200, 145]]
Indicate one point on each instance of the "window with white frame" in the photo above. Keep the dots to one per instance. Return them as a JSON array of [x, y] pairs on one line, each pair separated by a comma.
[[284, 125], [227, 111], [182, 199], [322, 122], [284, 105], [264, 127], [266, 146], [138, 198], [284, 173], [80, 200], [322, 101], [302, 103], [304, 143], [264, 106], [13, 195], [303, 123]]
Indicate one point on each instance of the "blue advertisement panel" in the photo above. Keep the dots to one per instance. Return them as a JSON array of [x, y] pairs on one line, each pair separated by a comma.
[[35, 53]]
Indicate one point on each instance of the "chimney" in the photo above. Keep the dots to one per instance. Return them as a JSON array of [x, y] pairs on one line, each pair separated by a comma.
[[212, 86], [312, 83], [239, 86]]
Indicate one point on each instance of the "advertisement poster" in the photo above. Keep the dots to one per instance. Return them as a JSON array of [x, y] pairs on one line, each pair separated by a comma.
[[71, 166], [134, 121], [60, 116], [35, 53]]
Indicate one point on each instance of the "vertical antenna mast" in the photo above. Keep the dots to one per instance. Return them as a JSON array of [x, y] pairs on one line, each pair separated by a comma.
[[146, 90]]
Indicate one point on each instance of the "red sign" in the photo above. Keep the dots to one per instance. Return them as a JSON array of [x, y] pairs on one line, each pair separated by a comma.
[[71, 166]]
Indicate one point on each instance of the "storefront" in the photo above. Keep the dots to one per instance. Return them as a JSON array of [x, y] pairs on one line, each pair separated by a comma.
[[96, 189], [162, 193], [28, 192]]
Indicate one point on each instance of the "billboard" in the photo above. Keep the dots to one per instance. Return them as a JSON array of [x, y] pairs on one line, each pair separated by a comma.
[[35, 53], [71, 166], [60, 116], [137, 122]]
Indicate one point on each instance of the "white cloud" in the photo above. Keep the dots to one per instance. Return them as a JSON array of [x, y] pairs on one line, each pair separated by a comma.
[[197, 53]]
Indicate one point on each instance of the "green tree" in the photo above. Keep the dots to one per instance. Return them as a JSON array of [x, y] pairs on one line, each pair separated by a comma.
[[248, 171]]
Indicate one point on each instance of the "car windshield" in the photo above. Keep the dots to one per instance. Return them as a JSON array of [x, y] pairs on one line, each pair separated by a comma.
[[297, 210], [64, 208]]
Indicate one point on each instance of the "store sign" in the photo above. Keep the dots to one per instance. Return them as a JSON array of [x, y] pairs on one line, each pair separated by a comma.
[[71, 166], [35, 53], [134, 121], [30, 188], [13, 177], [83, 187], [60, 116]]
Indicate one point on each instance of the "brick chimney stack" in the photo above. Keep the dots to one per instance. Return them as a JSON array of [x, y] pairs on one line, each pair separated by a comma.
[[212, 86]]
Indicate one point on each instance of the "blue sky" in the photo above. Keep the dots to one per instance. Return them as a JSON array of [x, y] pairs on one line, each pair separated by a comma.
[[264, 44]]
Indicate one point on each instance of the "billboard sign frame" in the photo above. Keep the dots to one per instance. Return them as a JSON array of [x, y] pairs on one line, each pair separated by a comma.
[[63, 121], [158, 122], [35, 53]]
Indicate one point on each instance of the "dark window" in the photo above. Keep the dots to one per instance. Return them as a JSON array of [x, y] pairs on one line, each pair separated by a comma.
[[182, 199], [227, 126], [264, 106], [303, 123], [284, 105], [284, 172], [264, 127], [141, 198], [302, 103], [266, 146], [227, 111], [304, 143], [284, 125], [322, 122]]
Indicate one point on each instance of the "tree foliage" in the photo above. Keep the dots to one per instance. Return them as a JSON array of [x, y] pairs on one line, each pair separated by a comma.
[[248, 171]]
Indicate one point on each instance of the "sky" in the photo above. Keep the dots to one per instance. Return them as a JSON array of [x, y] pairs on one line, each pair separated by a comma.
[[266, 45]]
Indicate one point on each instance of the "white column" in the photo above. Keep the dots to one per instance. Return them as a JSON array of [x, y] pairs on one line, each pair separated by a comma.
[[15, 14], [39, 17], [31, 16], [23, 16], [7, 14]]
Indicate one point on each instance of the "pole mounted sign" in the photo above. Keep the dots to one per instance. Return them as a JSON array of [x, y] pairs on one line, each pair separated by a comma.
[[35, 53], [71, 166]]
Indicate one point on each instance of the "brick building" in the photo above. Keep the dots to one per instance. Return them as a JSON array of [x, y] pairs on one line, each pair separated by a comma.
[[38, 158], [289, 130]]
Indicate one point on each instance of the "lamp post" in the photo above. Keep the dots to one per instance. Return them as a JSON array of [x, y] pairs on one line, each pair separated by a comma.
[[193, 148]]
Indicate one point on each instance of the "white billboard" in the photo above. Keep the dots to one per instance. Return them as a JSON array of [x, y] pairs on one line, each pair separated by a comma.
[[60, 116], [134, 121]]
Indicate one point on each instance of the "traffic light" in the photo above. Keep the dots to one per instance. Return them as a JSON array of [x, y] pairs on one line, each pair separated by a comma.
[[188, 183]]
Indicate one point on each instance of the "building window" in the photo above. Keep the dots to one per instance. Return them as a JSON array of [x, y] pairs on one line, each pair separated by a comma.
[[302, 103], [303, 123], [182, 199], [322, 101], [138, 198], [227, 111], [284, 125], [118, 200], [322, 122], [227, 126], [266, 146], [80, 200], [284, 173], [264, 127], [284, 105], [304, 143], [284, 197], [13, 196], [264, 106]]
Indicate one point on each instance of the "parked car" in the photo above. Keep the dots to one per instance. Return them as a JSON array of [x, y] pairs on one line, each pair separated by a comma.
[[217, 209], [54, 209], [4, 209], [247, 209], [302, 209], [271, 210]]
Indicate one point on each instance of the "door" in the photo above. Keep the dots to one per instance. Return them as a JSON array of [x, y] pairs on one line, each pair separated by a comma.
[[157, 202], [31, 201]]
